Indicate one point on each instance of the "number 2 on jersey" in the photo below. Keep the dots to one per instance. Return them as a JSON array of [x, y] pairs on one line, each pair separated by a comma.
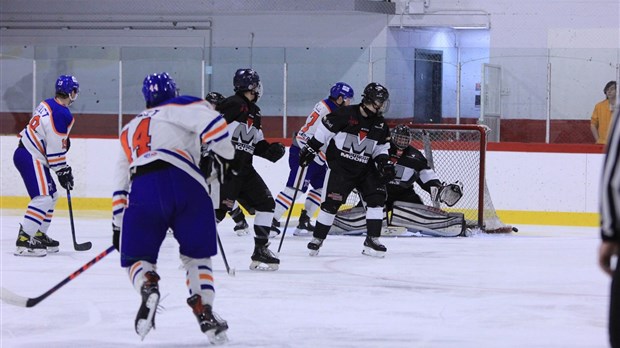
[[140, 141]]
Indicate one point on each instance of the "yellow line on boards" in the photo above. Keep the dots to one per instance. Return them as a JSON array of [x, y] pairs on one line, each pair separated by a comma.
[[513, 217]]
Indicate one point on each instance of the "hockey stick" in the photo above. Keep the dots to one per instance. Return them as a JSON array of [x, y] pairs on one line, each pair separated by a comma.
[[76, 246], [229, 270], [21, 301], [302, 173]]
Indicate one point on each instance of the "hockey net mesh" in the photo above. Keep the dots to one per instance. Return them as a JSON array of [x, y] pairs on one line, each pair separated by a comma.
[[458, 153]]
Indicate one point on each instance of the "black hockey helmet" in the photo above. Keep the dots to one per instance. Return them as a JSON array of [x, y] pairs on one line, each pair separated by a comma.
[[247, 80], [377, 96], [214, 98], [401, 136]]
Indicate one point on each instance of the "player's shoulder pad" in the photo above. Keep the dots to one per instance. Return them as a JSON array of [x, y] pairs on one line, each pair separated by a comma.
[[61, 116], [183, 100]]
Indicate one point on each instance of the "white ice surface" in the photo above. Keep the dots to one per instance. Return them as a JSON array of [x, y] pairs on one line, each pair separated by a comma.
[[537, 288]]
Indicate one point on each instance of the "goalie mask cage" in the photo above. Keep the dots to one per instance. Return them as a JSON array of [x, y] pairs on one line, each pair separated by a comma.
[[458, 153]]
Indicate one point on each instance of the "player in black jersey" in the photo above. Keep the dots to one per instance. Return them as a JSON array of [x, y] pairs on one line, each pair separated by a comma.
[[244, 123], [403, 205], [357, 156]]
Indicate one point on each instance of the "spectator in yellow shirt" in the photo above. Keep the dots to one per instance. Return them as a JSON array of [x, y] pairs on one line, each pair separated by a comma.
[[601, 116]]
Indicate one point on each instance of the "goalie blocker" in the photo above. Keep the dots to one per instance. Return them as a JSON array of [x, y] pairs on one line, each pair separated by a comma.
[[414, 217]]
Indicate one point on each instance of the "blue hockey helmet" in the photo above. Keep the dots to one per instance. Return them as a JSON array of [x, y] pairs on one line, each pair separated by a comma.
[[157, 88], [341, 89], [66, 84], [247, 80]]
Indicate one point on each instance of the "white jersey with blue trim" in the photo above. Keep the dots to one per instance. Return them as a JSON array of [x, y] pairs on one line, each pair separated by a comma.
[[45, 136], [321, 109], [172, 132]]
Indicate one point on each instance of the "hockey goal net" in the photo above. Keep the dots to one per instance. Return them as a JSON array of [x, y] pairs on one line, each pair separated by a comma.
[[458, 153]]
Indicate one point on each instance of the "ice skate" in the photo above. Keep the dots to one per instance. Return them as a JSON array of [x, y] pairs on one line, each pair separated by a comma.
[[274, 231], [210, 323], [304, 227], [314, 246], [50, 244], [242, 228], [373, 247], [263, 259], [145, 319], [27, 246]]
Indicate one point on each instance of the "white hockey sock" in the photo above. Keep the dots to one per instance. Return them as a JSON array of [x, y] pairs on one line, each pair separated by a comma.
[[199, 277], [37, 212], [313, 201], [284, 200], [50, 213], [137, 271]]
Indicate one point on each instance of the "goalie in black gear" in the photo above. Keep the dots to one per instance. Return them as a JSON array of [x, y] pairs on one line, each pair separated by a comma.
[[403, 203]]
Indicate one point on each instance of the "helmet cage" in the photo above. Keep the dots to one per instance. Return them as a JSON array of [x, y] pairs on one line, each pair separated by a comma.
[[401, 136]]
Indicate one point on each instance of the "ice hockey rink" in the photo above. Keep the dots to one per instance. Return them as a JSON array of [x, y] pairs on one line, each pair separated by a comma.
[[540, 287]]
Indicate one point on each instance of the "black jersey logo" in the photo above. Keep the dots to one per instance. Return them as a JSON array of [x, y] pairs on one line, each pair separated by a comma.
[[244, 136]]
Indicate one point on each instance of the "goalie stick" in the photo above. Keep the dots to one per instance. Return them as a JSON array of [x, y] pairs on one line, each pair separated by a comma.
[[10, 297], [77, 246]]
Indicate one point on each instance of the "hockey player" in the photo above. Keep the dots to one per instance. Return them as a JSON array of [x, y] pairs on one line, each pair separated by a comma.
[[357, 156], [241, 225], [340, 94], [610, 227], [43, 146], [158, 186], [245, 125], [406, 207]]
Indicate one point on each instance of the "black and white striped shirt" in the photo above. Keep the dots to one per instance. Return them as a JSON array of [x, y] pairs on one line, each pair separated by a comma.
[[610, 184]]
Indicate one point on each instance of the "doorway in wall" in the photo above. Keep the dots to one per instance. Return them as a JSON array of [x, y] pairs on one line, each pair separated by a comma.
[[427, 86]]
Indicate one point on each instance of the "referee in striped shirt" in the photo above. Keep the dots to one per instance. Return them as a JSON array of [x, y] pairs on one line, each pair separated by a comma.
[[610, 225]]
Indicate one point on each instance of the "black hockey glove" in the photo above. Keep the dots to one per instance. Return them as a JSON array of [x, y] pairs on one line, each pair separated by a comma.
[[274, 152], [308, 152], [116, 237], [387, 171], [217, 167], [65, 178]]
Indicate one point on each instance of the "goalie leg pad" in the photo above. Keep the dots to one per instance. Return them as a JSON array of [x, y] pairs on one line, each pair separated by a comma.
[[351, 219], [427, 220]]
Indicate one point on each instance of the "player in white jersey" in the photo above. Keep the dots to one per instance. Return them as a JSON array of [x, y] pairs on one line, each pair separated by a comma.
[[340, 94], [158, 186], [43, 147]]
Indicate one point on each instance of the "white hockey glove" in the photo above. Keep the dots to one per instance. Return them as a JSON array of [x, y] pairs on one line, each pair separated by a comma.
[[450, 194]]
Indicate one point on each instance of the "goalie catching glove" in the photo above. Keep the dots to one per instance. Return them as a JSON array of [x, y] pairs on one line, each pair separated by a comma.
[[216, 167], [450, 194]]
